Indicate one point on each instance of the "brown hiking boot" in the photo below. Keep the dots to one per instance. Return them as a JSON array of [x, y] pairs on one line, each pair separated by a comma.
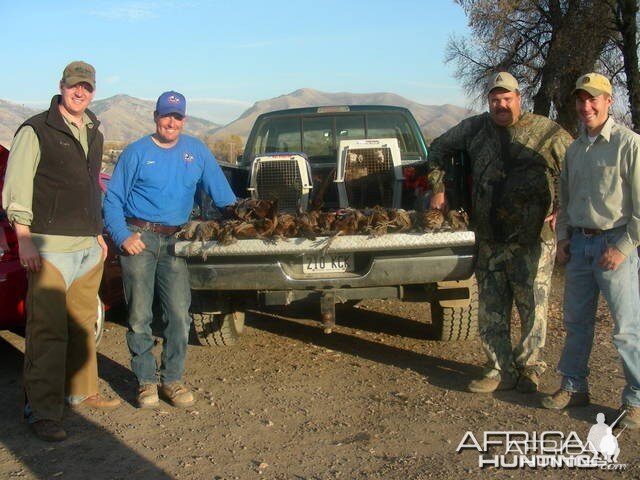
[[99, 402], [528, 382], [492, 384], [48, 430], [564, 398], [148, 396], [177, 395]]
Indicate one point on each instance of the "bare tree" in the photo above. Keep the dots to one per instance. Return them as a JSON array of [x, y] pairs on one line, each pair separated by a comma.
[[626, 28], [547, 44]]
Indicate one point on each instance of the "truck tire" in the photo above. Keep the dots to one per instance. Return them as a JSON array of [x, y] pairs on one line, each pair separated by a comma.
[[217, 329], [449, 323]]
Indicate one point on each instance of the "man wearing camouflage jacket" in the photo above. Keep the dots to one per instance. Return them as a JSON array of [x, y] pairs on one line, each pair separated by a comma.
[[516, 160]]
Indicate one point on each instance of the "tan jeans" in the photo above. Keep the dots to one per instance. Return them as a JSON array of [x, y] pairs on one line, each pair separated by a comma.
[[60, 350]]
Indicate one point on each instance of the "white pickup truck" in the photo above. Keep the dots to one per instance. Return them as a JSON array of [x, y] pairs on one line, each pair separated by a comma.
[[332, 158]]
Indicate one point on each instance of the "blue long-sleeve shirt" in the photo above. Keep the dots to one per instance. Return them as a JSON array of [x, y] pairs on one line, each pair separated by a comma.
[[158, 184]]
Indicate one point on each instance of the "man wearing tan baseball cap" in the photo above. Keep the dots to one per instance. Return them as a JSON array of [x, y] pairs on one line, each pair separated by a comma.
[[52, 196], [594, 84], [598, 235], [515, 160], [503, 80]]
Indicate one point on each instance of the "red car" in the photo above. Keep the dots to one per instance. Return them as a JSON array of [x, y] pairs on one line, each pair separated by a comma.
[[13, 278]]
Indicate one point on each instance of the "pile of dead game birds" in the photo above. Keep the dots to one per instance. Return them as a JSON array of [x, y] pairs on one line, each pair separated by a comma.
[[260, 219]]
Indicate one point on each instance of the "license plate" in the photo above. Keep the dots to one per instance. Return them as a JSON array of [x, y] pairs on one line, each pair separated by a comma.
[[331, 263]]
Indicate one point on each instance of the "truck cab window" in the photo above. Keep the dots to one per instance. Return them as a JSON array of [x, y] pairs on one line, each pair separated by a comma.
[[392, 126], [318, 138], [278, 135]]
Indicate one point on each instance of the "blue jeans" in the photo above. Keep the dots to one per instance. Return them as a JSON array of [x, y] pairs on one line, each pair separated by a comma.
[[157, 270], [72, 265], [584, 280]]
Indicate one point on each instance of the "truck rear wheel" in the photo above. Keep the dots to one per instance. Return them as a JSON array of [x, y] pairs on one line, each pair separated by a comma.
[[454, 318], [217, 329]]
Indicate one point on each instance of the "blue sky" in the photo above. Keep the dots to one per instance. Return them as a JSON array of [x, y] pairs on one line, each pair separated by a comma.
[[226, 55]]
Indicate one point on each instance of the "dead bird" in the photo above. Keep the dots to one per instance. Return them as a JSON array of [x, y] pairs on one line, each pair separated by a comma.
[[199, 230], [399, 220], [429, 220], [318, 197], [250, 209], [347, 221], [189, 230], [245, 229], [307, 224], [266, 227], [458, 220], [325, 222], [226, 236], [287, 226], [377, 221]]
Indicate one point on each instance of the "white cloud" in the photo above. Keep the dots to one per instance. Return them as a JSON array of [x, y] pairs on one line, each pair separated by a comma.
[[133, 12], [112, 79], [136, 11]]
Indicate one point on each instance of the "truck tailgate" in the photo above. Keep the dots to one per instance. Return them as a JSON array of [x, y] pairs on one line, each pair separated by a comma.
[[350, 243]]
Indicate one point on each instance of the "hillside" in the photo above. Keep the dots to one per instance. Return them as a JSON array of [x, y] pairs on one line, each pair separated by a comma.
[[125, 118], [433, 119], [11, 117]]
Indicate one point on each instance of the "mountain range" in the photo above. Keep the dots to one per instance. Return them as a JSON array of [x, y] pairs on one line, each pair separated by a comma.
[[125, 118]]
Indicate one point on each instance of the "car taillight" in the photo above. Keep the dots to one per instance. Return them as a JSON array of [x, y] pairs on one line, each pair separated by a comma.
[[8, 244]]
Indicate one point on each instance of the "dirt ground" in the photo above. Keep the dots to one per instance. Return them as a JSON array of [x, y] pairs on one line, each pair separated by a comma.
[[373, 400]]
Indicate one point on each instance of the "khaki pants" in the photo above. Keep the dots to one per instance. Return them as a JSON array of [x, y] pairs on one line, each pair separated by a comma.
[[60, 352]]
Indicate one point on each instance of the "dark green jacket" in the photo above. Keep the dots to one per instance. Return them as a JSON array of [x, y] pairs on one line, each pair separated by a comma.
[[514, 171]]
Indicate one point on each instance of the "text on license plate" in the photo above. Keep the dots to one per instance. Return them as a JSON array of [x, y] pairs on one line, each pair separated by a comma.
[[330, 263]]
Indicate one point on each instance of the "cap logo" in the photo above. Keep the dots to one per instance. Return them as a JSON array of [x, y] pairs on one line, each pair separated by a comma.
[[173, 99], [499, 78], [586, 80]]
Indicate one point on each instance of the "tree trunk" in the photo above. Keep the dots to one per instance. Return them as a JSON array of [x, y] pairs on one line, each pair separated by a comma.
[[627, 23], [566, 61]]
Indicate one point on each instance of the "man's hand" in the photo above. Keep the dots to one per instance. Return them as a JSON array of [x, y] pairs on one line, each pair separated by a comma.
[[552, 220], [611, 259], [438, 201], [133, 245], [104, 247], [29, 254], [562, 251]]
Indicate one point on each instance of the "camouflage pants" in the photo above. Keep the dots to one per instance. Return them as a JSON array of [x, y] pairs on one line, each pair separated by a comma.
[[508, 272]]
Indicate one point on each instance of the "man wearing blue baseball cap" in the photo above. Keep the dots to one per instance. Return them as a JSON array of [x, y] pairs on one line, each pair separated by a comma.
[[150, 196]]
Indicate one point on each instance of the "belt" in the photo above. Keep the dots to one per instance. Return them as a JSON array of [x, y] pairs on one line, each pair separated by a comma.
[[153, 227], [590, 232]]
